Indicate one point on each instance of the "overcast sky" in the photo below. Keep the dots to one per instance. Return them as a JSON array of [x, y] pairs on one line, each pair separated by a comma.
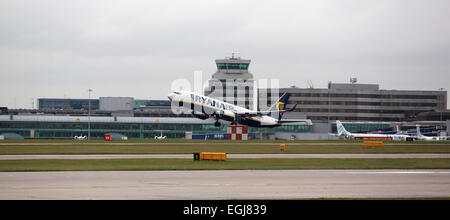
[[57, 48]]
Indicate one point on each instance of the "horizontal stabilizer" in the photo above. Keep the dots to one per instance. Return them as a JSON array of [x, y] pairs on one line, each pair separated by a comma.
[[304, 121]]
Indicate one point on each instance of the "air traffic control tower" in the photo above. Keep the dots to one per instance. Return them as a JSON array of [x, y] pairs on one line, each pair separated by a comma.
[[232, 82]]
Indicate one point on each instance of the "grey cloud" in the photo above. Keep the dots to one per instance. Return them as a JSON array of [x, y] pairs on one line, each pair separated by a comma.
[[143, 45]]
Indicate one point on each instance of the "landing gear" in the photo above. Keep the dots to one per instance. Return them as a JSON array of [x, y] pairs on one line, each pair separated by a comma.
[[237, 120], [217, 117]]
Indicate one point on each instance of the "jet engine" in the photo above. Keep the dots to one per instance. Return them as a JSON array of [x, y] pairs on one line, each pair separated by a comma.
[[220, 113], [200, 116]]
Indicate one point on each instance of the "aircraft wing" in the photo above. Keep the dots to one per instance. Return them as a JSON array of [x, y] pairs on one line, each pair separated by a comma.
[[260, 113], [304, 121]]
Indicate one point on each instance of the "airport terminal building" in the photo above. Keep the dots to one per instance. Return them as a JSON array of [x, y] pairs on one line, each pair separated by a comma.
[[134, 119], [361, 107], [67, 127], [360, 102]]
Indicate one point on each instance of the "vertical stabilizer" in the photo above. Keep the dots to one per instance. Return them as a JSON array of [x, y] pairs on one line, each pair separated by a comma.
[[340, 128], [419, 134], [278, 108]]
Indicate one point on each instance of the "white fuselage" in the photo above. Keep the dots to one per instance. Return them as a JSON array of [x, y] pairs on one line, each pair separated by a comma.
[[211, 107], [422, 137], [342, 132], [395, 137]]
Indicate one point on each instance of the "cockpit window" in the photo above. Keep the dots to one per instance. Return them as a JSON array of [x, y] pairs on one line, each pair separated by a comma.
[[177, 93]]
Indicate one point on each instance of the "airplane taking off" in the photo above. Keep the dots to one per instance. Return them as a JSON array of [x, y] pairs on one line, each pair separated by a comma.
[[204, 107], [396, 137]]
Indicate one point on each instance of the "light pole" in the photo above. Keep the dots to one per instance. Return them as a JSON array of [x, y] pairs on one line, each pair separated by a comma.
[[329, 109], [441, 109], [89, 114]]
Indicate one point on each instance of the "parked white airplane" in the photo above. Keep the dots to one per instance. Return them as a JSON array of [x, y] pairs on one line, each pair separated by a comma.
[[204, 107], [420, 136], [397, 137]]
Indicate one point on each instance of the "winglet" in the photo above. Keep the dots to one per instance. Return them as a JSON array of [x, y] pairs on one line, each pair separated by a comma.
[[292, 109]]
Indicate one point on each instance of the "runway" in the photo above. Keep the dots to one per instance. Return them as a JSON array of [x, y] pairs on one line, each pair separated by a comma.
[[230, 156], [241, 184]]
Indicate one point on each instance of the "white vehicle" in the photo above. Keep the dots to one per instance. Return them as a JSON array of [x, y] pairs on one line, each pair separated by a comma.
[[421, 137], [160, 137], [204, 107], [396, 137], [81, 137]]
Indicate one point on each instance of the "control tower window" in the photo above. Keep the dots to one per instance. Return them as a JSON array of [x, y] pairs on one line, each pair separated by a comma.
[[232, 66]]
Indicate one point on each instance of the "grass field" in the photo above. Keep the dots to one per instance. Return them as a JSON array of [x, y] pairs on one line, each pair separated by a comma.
[[231, 164], [210, 141], [238, 149], [230, 147], [31, 147]]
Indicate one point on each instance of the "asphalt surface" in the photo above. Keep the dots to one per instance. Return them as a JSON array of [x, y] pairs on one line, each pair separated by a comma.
[[242, 184], [223, 184]]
